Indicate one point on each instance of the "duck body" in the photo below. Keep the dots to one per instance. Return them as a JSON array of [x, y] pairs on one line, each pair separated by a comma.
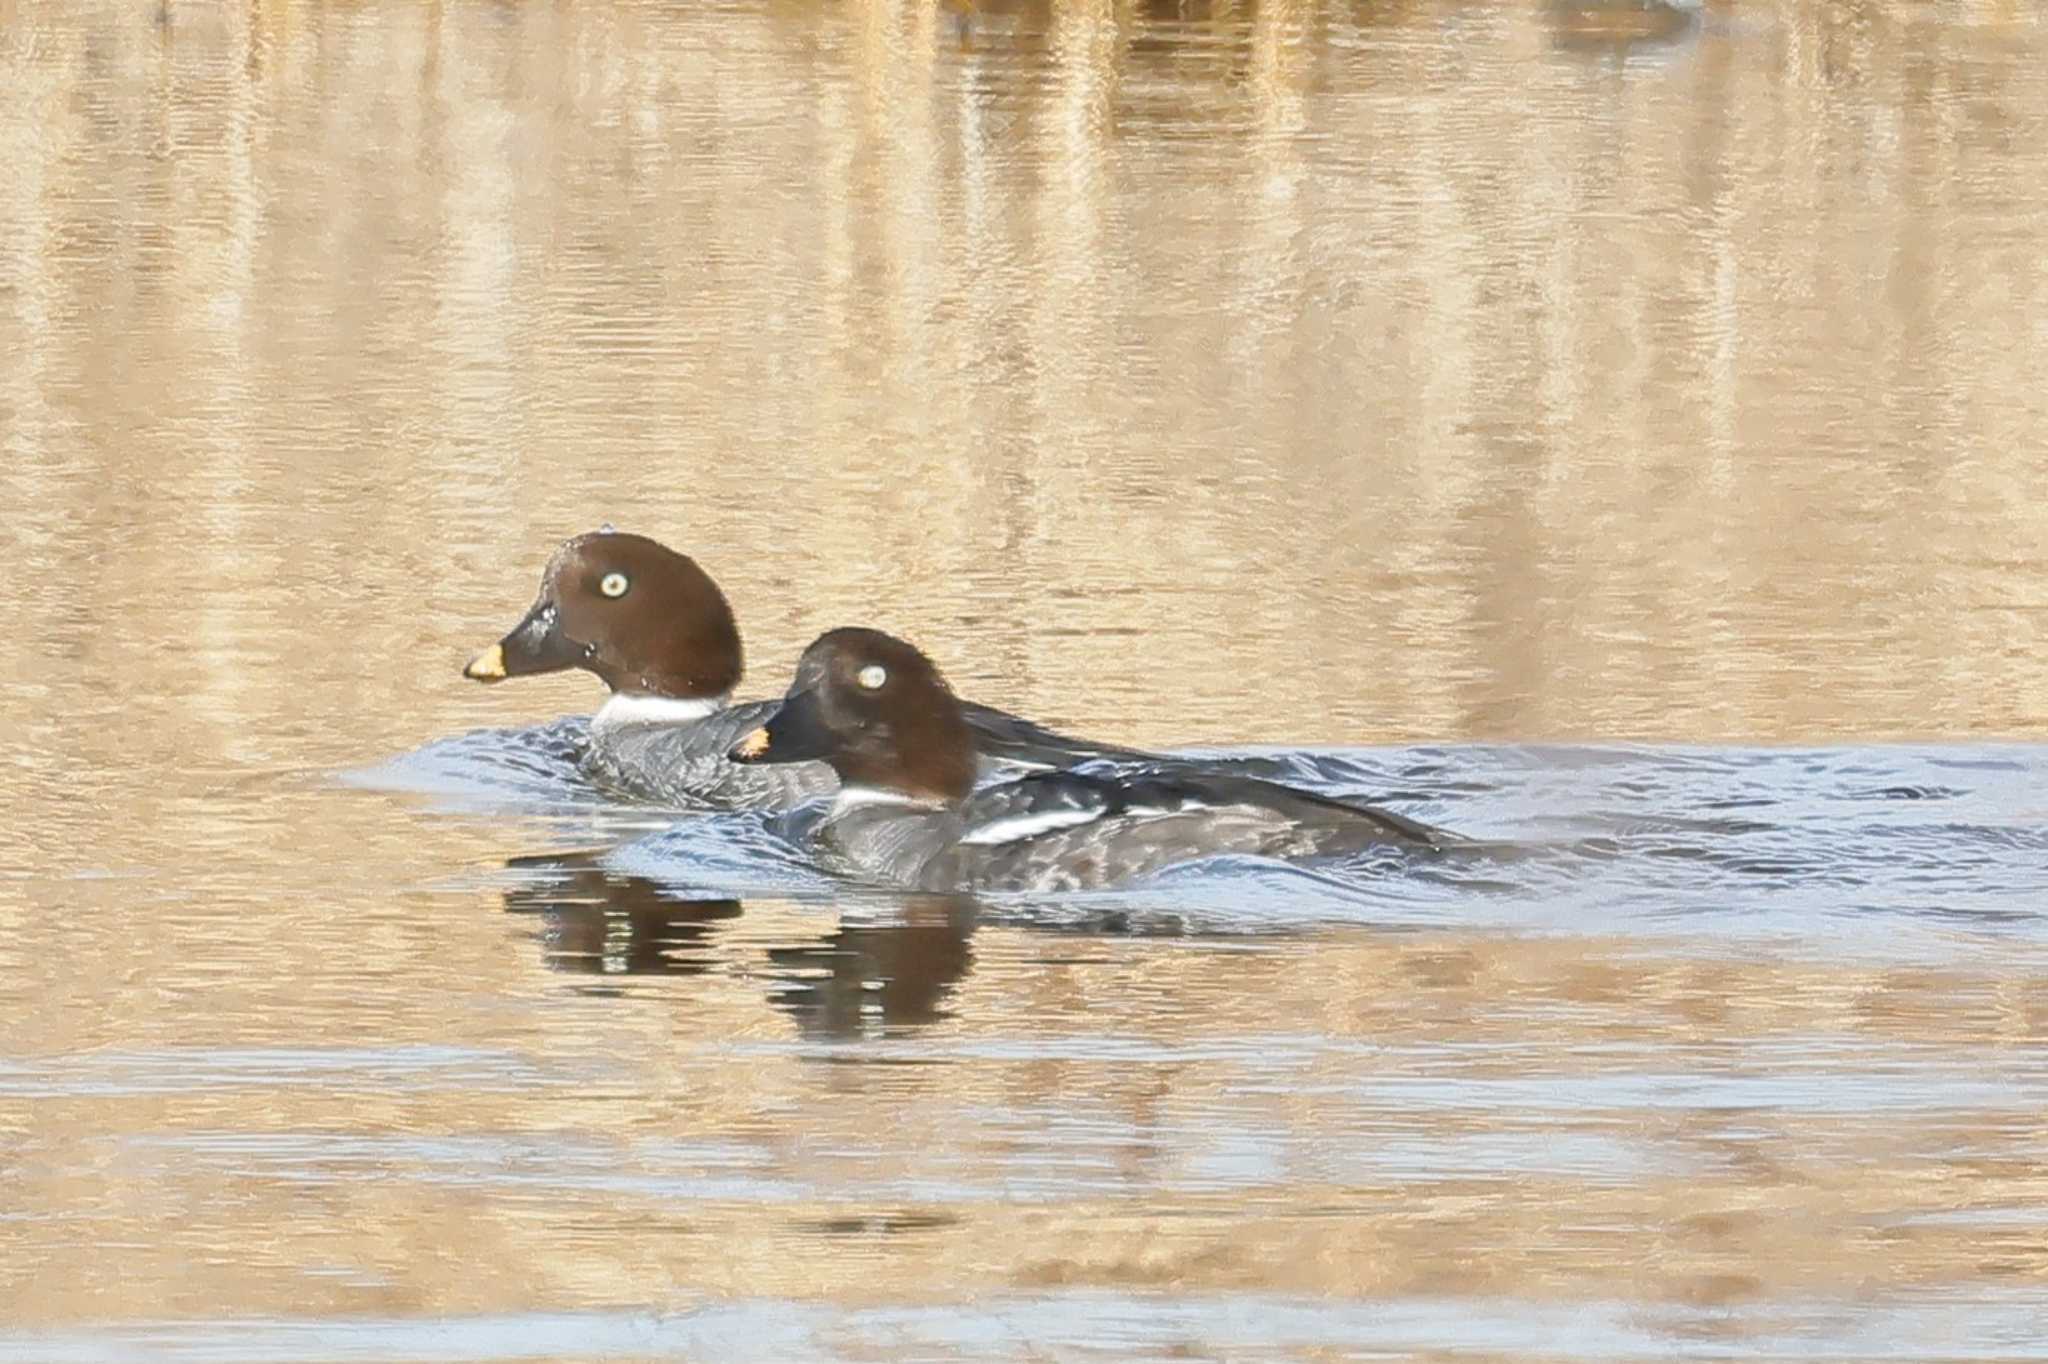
[[654, 627], [907, 812], [1071, 831]]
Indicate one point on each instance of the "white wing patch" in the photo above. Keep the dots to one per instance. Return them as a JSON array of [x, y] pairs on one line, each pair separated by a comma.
[[1012, 828], [853, 797], [1154, 808]]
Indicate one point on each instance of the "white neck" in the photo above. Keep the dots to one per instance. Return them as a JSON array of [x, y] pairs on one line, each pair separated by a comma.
[[854, 797], [624, 708]]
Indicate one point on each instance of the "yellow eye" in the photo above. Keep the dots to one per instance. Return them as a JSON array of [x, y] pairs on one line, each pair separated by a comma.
[[614, 585], [872, 676]]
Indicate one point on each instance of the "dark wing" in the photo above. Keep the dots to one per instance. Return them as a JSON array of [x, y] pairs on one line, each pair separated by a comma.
[[1035, 804], [1045, 802], [1166, 793], [1169, 794], [1009, 738]]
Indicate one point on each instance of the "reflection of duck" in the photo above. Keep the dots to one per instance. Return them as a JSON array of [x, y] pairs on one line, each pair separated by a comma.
[[880, 977], [853, 981], [598, 922], [1621, 26]]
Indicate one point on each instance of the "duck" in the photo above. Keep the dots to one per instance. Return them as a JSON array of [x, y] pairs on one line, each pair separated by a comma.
[[908, 813], [651, 624]]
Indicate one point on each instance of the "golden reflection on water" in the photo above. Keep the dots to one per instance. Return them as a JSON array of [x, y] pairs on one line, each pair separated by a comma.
[[1358, 1115], [1455, 386], [1288, 372]]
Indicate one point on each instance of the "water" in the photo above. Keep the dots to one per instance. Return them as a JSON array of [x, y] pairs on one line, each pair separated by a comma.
[[1611, 432]]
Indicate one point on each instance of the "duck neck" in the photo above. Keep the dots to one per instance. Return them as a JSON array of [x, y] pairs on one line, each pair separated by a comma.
[[624, 708]]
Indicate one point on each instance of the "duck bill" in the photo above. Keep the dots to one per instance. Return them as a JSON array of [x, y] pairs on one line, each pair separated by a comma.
[[535, 645], [795, 733]]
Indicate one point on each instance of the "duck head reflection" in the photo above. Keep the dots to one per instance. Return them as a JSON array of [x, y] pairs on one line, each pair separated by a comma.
[[867, 978], [1622, 28], [872, 978], [599, 922]]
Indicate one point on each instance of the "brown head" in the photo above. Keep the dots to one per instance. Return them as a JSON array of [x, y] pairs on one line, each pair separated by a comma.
[[644, 618], [878, 712]]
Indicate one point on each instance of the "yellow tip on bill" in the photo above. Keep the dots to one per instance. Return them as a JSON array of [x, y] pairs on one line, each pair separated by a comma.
[[488, 666], [754, 745]]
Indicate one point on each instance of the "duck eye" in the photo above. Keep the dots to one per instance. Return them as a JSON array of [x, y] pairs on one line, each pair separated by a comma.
[[872, 676], [614, 585]]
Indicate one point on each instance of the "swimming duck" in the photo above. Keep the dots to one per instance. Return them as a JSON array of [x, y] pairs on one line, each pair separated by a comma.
[[654, 627], [907, 814]]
